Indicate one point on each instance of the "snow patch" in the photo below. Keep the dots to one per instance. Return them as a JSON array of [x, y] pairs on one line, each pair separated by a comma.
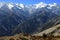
[[10, 6]]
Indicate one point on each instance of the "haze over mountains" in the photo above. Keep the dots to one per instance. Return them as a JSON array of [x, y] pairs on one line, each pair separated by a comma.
[[29, 19]]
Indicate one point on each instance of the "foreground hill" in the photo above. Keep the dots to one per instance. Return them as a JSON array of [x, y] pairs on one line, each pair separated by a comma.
[[29, 37], [55, 30]]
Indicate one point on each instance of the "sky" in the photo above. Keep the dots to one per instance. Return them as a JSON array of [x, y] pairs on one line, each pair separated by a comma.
[[28, 2]]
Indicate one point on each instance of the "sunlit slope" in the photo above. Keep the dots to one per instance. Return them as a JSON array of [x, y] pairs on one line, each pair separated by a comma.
[[50, 30]]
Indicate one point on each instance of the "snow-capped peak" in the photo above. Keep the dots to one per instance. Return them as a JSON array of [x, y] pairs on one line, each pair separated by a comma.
[[40, 5], [51, 5], [54, 4], [21, 5], [9, 5]]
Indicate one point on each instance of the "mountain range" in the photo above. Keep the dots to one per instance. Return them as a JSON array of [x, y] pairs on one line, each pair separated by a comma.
[[27, 19]]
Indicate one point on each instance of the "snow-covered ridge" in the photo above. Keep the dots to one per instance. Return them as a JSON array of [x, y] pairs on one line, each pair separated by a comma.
[[29, 8], [39, 5]]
